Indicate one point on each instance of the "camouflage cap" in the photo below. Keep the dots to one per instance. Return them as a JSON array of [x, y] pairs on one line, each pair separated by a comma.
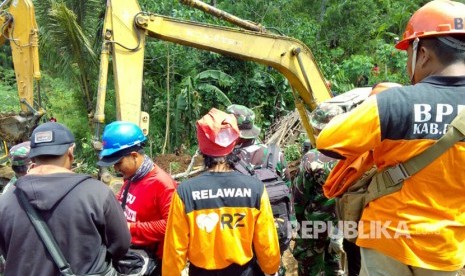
[[19, 154], [245, 121], [323, 114]]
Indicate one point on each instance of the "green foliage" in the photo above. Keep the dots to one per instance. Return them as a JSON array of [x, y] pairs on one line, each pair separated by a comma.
[[174, 168], [62, 102], [87, 156], [5, 57], [259, 87], [346, 20], [358, 69], [8, 90], [8, 87], [392, 64], [189, 102], [292, 152], [346, 37], [66, 39]]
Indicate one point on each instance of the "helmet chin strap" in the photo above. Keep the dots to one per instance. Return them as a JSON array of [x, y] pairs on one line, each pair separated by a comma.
[[414, 57]]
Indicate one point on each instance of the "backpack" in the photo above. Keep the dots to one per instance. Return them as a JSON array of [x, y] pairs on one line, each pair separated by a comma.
[[350, 205], [374, 184], [278, 192]]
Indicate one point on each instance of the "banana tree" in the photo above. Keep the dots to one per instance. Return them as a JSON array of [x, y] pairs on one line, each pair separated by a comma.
[[68, 42], [205, 87]]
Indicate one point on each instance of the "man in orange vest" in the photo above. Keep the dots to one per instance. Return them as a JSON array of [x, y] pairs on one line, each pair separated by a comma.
[[420, 229]]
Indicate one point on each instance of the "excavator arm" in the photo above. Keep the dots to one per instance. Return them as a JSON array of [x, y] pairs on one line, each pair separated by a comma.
[[124, 34], [18, 26]]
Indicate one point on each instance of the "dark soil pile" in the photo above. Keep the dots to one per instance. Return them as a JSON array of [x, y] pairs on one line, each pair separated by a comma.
[[175, 164]]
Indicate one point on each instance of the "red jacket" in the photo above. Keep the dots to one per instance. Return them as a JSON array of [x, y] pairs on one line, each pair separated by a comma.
[[147, 208]]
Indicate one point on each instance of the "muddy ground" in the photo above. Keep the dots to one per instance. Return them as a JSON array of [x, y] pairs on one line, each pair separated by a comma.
[[175, 164]]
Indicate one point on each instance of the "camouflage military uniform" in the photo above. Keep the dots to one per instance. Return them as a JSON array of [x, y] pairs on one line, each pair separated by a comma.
[[255, 155], [19, 158], [2, 265], [252, 152], [311, 205]]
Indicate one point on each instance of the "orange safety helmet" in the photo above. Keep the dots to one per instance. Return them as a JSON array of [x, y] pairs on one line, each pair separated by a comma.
[[436, 18]]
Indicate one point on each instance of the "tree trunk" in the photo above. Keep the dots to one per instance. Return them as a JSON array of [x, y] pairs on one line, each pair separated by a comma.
[[167, 130], [322, 15]]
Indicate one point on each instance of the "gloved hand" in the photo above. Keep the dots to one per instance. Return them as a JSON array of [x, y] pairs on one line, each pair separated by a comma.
[[335, 245]]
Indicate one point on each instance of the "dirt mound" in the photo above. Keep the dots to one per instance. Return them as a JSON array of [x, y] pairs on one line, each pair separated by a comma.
[[6, 173], [176, 164]]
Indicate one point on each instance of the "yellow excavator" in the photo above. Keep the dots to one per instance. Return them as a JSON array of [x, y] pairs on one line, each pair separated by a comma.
[[126, 27], [18, 26]]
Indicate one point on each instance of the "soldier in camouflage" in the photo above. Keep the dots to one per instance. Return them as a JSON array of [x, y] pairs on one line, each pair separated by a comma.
[[253, 152], [250, 148], [316, 255], [20, 162]]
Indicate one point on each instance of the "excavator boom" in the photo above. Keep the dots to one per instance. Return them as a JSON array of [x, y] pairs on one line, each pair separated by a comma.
[[280, 52], [124, 34], [18, 26]]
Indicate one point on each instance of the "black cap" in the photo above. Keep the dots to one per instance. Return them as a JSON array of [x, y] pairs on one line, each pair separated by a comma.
[[50, 139]]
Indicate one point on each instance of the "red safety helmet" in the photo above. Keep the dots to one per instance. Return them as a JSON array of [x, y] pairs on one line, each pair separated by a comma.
[[436, 18], [217, 133]]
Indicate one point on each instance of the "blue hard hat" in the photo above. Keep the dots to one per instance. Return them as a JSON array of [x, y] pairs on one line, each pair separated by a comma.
[[121, 135]]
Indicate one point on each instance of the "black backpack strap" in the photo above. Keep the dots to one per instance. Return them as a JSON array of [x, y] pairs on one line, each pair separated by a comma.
[[273, 153], [45, 234], [242, 166]]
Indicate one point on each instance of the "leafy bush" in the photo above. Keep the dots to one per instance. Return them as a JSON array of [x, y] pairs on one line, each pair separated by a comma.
[[292, 152]]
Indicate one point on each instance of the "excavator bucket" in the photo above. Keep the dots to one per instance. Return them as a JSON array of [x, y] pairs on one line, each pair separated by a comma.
[[16, 128]]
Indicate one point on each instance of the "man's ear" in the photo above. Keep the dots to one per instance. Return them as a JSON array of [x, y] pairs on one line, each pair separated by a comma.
[[134, 154], [424, 57], [71, 149]]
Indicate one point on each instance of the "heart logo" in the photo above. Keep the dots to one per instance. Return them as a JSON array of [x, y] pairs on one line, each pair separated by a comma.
[[207, 222]]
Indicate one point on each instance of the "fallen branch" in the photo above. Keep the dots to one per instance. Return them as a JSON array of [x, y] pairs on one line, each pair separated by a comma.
[[285, 131], [188, 172]]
